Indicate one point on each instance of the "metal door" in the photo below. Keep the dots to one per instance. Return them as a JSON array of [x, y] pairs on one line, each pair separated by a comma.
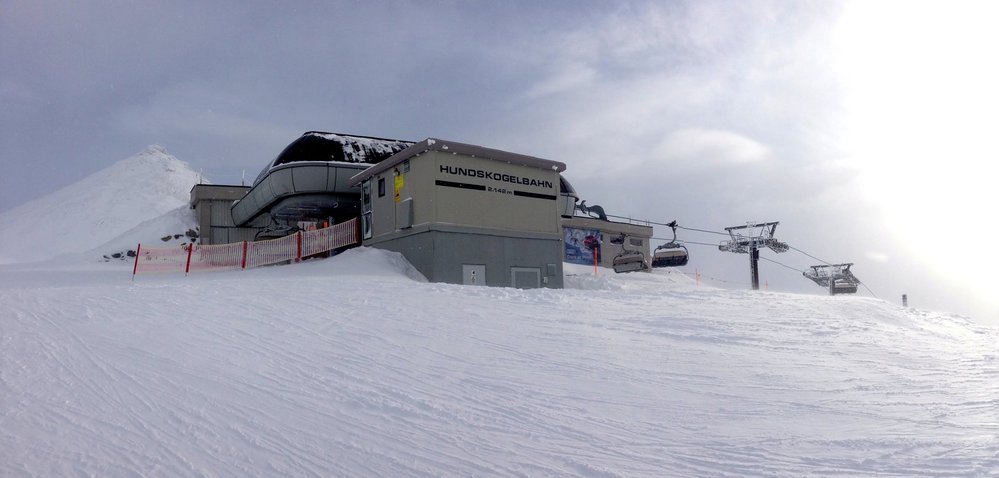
[[473, 274]]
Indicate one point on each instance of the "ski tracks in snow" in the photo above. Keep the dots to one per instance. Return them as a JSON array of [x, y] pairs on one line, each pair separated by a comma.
[[318, 372]]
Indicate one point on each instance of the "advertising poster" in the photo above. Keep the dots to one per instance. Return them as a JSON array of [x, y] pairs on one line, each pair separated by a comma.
[[580, 244]]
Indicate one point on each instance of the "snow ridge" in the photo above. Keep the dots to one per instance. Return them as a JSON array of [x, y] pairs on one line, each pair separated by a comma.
[[97, 208]]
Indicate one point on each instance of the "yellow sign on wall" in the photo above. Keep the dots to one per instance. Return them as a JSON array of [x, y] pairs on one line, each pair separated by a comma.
[[399, 183]]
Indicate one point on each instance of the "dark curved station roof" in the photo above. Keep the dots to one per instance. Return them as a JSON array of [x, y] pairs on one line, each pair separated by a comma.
[[336, 147]]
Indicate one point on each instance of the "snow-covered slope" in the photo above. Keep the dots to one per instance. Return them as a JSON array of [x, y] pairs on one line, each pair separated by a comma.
[[352, 366], [96, 209], [174, 228]]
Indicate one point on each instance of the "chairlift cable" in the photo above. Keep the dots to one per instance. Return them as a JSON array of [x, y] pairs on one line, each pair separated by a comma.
[[871, 291], [700, 243], [703, 230], [809, 255], [780, 264], [716, 245], [684, 241], [630, 218], [646, 221]]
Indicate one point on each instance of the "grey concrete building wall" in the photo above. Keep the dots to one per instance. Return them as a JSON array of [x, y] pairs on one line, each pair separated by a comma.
[[211, 204], [417, 248], [442, 256], [500, 256]]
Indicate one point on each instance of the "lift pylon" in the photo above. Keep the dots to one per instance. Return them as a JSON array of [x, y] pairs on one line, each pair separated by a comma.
[[749, 239]]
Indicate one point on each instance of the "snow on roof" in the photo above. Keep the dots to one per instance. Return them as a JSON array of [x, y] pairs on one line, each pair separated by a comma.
[[335, 147], [363, 149]]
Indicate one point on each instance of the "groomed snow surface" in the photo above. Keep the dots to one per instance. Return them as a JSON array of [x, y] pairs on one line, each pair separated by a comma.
[[355, 366]]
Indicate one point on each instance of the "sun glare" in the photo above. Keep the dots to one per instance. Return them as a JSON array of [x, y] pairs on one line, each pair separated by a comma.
[[920, 81]]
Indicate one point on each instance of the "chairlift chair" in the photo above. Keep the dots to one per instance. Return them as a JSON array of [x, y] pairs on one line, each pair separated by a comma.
[[836, 277], [628, 260], [843, 286], [670, 254]]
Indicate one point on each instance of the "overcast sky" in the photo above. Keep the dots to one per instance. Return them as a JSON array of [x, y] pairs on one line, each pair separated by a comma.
[[867, 129]]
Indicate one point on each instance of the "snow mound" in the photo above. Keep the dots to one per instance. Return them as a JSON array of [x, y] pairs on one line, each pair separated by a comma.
[[352, 265], [583, 278], [175, 228], [366, 262], [96, 209]]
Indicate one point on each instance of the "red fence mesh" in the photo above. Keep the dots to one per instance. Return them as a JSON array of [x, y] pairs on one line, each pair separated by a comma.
[[262, 253], [151, 260], [327, 239], [216, 257], [244, 255]]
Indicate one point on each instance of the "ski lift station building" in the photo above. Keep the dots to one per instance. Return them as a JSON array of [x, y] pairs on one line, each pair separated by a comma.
[[459, 213], [467, 214]]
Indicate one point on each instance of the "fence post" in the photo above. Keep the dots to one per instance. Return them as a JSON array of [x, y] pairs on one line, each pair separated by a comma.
[[190, 249], [136, 266], [298, 240], [243, 265]]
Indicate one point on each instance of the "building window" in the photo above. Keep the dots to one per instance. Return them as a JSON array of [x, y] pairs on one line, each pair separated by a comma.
[[366, 225], [381, 187], [366, 196]]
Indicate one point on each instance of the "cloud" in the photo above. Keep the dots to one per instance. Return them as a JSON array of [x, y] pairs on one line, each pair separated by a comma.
[[878, 256], [17, 93], [566, 78], [707, 147], [198, 110]]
